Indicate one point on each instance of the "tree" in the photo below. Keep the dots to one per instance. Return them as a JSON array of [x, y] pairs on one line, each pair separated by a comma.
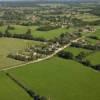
[[43, 98], [81, 55], [86, 62], [66, 55], [1, 34], [31, 93], [7, 33], [10, 27], [97, 67], [28, 32]]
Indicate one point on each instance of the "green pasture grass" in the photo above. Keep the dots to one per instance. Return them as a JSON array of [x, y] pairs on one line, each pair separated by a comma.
[[76, 51], [19, 29], [92, 41], [10, 45], [94, 58], [11, 91], [87, 17], [97, 33], [60, 79]]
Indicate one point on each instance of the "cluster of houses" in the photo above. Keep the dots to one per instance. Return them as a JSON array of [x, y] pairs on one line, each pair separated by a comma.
[[43, 50], [35, 52], [86, 45], [87, 29]]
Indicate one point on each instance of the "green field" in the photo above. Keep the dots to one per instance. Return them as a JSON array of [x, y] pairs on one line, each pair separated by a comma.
[[55, 78], [94, 58], [60, 79], [10, 91], [44, 34], [76, 51], [97, 33], [9, 45], [87, 17]]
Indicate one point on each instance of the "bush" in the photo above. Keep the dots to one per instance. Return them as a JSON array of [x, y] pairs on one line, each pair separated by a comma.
[[81, 56], [1, 34], [97, 67], [66, 55], [46, 28], [86, 62]]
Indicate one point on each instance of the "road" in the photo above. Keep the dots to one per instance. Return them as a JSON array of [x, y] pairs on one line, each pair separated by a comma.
[[48, 57]]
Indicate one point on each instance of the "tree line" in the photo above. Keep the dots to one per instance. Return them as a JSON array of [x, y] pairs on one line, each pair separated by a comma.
[[29, 91], [81, 58], [28, 35]]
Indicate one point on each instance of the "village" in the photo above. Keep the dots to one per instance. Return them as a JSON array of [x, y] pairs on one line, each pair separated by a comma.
[[41, 51]]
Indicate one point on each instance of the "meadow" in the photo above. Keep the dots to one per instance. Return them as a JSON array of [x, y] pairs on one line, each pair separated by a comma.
[[94, 58], [10, 91], [76, 51], [60, 79], [87, 17], [19, 29], [10, 45]]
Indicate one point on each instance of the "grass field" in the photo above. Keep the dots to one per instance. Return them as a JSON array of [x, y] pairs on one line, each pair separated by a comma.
[[61, 79], [92, 41], [76, 51], [94, 58], [10, 91], [44, 34], [9, 45], [97, 33], [87, 17]]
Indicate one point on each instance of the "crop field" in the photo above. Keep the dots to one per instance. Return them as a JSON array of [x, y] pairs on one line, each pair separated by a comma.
[[60, 79], [19, 29], [10, 91], [9, 45]]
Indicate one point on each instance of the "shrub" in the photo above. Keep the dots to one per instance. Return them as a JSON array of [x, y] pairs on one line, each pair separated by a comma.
[[66, 55]]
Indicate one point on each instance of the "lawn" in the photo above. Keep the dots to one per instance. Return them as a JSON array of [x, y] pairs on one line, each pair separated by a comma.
[[10, 91], [60, 79], [9, 45]]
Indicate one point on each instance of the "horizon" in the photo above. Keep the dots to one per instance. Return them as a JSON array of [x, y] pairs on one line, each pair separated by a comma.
[[50, 0]]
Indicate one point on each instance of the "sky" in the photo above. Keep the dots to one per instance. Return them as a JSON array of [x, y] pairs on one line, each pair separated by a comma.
[[49, 0]]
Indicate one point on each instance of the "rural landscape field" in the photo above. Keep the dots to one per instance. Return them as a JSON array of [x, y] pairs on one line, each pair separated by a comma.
[[50, 50]]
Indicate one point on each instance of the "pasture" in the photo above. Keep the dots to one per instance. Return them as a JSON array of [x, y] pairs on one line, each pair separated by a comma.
[[10, 91], [87, 17], [60, 79], [76, 51], [94, 58], [19, 29], [9, 45]]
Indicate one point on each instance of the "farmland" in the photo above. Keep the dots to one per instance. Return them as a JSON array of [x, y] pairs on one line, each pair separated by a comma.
[[48, 34], [10, 91], [46, 78], [49, 51], [8, 45]]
